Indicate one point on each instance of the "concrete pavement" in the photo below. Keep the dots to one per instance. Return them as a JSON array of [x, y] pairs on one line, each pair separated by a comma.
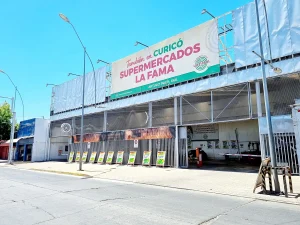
[[30, 197], [218, 182]]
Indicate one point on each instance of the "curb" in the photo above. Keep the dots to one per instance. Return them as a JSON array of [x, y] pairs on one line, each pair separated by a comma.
[[156, 185], [61, 172], [201, 191]]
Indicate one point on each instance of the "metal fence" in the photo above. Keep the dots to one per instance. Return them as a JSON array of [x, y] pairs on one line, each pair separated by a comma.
[[283, 91], [128, 118], [183, 153], [285, 150], [167, 145]]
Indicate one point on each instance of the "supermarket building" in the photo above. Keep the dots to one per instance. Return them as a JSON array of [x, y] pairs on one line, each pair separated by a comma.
[[201, 88]]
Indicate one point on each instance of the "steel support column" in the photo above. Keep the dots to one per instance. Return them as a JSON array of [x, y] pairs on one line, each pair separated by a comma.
[[180, 110], [150, 122], [258, 99], [176, 153], [267, 104], [73, 126], [104, 129], [259, 114], [211, 107], [250, 101]]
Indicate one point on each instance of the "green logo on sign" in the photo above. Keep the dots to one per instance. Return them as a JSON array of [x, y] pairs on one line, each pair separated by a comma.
[[201, 63]]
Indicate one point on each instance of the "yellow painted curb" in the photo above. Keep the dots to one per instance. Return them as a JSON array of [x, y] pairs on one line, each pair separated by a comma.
[[61, 172]]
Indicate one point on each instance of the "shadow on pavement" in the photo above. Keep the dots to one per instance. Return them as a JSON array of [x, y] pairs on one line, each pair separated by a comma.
[[226, 167]]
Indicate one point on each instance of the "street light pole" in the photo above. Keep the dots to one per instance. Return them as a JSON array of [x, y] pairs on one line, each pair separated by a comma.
[[73, 74], [16, 90], [62, 16], [267, 105], [205, 11], [82, 114], [12, 133], [50, 85], [66, 19], [140, 43]]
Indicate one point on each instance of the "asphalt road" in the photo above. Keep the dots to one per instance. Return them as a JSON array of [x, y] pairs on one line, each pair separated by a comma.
[[28, 197]]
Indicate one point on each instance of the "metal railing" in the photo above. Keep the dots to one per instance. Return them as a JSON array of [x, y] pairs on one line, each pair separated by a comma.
[[285, 149]]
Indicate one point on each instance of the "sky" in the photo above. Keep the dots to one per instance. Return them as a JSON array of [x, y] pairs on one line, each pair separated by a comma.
[[38, 47]]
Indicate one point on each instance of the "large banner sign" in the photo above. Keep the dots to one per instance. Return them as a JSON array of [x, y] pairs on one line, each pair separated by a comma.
[[133, 134], [150, 133], [186, 56], [97, 137]]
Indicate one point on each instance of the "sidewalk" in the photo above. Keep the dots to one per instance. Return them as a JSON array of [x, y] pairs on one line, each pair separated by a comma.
[[219, 182]]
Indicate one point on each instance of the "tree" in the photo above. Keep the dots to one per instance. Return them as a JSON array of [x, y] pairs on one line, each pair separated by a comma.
[[17, 127], [5, 123]]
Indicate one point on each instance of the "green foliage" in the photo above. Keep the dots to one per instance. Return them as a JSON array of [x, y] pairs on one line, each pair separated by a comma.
[[5, 117], [17, 127]]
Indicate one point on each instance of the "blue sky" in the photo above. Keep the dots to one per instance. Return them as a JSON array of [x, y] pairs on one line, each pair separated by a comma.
[[37, 47]]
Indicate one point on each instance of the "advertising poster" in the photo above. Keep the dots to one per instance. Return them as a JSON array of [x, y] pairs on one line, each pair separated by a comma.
[[112, 136], [84, 156], [225, 145], [189, 137], [93, 157], [71, 157], [186, 56], [77, 157], [146, 158], [160, 160], [164, 132], [209, 144], [131, 159], [110, 156], [101, 157], [150, 133], [233, 144], [119, 159]]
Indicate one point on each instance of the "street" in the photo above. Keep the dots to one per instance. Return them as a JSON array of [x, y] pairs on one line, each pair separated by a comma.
[[28, 197]]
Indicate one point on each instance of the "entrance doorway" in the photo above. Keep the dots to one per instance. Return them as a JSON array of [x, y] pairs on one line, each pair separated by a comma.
[[230, 146], [28, 152], [20, 155]]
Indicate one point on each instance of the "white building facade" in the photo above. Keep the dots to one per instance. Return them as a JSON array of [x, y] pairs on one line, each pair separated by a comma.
[[221, 110]]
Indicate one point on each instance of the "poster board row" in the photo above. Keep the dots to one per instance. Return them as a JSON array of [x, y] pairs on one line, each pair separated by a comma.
[[160, 160]]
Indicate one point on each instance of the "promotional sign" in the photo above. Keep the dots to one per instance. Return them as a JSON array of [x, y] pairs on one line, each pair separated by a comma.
[[93, 157], [89, 145], [26, 128], [71, 157], [132, 134], [110, 156], [131, 159], [136, 143], [150, 133], [101, 157], [160, 160], [77, 157], [146, 158], [120, 157], [84, 156], [186, 56]]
